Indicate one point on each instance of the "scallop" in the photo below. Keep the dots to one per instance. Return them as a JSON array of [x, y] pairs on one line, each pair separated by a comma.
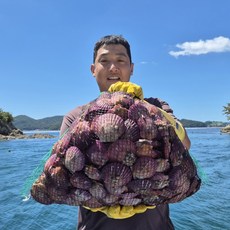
[[140, 186], [80, 195], [57, 194], [97, 153], [116, 174], [93, 203], [195, 184], [40, 194], [74, 159], [92, 172], [132, 131], [80, 180], [144, 167], [53, 161], [61, 145], [148, 129], [59, 176], [120, 111], [108, 127], [98, 191], [145, 148], [110, 199], [130, 201], [123, 151], [101, 106], [176, 153], [122, 99], [162, 165], [136, 111], [82, 135]]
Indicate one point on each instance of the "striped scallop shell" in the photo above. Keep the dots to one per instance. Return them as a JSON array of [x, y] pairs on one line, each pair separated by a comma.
[[120, 111], [148, 129], [80, 180], [74, 159], [61, 145], [108, 127], [145, 148], [116, 174], [93, 203], [132, 131], [57, 194], [136, 111], [40, 194], [98, 191], [110, 199], [80, 195], [130, 201], [122, 98], [140, 186], [53, 161], [123, 151], [162, 165], [92, 172], [97, 153], [59, 176], [144, 167], [82, 135], [101, 106]]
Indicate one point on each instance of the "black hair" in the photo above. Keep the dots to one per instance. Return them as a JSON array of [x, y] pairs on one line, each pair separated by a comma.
[[112, 40]]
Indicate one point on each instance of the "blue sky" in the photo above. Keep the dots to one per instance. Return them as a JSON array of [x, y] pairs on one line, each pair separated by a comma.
[[181, 52]]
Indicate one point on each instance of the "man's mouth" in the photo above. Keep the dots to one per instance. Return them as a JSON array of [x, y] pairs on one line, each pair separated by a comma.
[[113, 78]]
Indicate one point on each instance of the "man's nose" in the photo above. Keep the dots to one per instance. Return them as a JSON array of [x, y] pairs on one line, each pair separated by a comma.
[[113, 68]]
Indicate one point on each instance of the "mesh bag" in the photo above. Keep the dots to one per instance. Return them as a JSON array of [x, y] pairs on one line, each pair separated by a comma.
[[121, 151]]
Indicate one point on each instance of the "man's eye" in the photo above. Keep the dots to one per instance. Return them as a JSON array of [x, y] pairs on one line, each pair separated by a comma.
[[103, 60]]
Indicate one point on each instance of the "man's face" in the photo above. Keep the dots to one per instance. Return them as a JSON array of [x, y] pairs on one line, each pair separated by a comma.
[[111, 65]]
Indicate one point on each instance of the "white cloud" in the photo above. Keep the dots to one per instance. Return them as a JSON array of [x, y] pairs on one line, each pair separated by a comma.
[[215, 45]]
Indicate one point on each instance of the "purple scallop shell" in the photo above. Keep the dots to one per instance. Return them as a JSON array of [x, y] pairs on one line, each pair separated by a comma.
[[132, 131], [93, 203], [159, 181], [148, 129], [53, 161], [80, 195], [92, 172], [74, 159], [116, 190], [82, 135], [120, 111], [145, 148], [176, 153], [80, 180], [57, 194], [97, 153], [40, 194], [144, 167], [162, 165], [116, 174], [122, 98], [59, 176], [187, 166], [130, 201], [110, 199], [61, 145], [195, 184], [136, 111], [98, 191], [123, 151], [140, 186], [108, 127]]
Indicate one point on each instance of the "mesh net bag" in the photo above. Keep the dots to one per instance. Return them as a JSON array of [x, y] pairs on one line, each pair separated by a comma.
[[120, 152]]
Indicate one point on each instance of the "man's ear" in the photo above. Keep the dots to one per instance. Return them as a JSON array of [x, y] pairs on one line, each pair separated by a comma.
[[132, 68], [92, 68]]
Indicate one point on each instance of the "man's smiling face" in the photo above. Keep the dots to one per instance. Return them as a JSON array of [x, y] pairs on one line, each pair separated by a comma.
[[112, 64]]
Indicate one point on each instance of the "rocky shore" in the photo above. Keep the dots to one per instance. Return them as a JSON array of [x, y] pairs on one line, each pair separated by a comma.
[[226, 129], [9, 132]]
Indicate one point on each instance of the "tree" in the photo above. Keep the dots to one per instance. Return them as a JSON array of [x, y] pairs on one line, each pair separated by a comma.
[[6, 116], [226, 111]]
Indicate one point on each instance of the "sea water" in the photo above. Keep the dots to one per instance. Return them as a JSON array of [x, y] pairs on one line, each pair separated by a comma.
[[208, 209]]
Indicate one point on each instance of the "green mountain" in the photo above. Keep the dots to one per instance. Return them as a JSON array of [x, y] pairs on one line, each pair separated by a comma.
[[27, 123], [54, 123]]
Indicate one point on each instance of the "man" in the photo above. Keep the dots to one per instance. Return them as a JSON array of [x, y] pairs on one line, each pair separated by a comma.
[[112, 62]]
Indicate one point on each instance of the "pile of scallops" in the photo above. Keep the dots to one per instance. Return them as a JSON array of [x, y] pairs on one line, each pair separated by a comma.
[[120, 151]]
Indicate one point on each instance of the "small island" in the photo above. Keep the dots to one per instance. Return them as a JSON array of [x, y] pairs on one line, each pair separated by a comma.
[[8, 131]]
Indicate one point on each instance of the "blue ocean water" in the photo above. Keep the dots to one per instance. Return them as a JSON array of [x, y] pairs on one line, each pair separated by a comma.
[[208, 209]]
